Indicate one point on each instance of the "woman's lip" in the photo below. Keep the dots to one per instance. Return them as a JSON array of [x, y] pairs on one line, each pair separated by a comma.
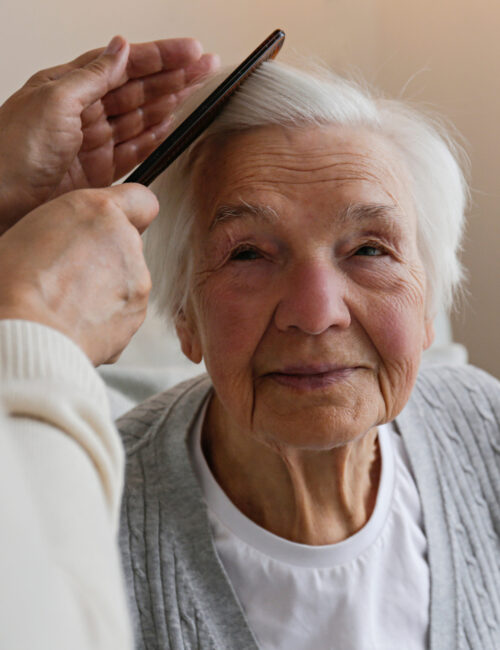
[[307, 378], [318, 369]]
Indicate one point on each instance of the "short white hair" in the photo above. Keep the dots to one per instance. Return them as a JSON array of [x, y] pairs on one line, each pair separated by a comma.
[[280, 94]]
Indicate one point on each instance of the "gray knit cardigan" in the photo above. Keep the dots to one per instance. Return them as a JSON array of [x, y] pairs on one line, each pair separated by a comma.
[[179, 594]]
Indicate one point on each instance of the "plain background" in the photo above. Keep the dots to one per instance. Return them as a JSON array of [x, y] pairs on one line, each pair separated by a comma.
[[441, 54]]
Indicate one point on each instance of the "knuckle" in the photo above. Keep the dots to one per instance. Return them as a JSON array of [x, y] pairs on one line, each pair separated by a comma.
[[104, 205], [97, 67], [93, 206], [36, 78], [143, 286], [94, 200]]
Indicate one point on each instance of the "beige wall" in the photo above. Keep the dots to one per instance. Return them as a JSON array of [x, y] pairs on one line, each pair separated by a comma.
[[456, 44], [453, 44]]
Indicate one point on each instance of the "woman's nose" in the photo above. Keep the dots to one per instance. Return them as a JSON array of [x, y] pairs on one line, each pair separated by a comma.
[[313, 299]]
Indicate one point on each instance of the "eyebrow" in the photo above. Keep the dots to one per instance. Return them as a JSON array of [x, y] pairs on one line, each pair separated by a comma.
[[226, 213], [368, 211], [353, 212]]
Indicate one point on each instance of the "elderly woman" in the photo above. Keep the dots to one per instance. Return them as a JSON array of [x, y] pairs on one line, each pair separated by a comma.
[[314, 491]]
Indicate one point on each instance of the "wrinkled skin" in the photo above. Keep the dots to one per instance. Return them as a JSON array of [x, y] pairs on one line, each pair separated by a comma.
[[76, 265], [308, 307], [88, 122]]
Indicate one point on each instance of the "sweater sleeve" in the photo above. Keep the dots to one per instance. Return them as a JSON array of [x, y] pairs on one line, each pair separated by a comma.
[[61, 474]]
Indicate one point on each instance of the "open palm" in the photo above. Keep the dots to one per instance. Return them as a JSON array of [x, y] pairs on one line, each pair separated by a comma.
[[89, 122]]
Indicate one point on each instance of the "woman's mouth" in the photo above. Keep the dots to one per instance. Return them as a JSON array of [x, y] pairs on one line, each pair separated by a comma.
[[310, 378]]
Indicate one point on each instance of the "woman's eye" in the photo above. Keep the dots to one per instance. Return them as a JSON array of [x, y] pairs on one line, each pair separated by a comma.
[[370, 251], [245, 254]]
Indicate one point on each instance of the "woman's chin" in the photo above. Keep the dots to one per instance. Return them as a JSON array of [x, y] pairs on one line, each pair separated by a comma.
[[318, 428]]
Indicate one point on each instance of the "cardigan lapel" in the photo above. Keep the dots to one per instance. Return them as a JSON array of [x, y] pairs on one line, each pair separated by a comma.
[[416, 434], [184, 512]]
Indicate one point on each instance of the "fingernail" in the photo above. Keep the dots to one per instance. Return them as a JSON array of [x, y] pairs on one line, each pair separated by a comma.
[[114, 45]]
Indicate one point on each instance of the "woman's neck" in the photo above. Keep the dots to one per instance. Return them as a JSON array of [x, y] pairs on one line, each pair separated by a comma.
[[309, 497]]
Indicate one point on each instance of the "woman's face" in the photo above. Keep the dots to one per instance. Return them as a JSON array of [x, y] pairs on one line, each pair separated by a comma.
[[308, 294]]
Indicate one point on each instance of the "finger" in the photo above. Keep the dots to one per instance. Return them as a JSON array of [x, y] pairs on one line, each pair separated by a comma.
[[93, 114], [58, 71], [144, 59], [98, 129], [167, 54], [130, 153], [134, 96], [173, 52], [85, 85], [138, 203], [122, 158], [131, 125], [128, 126], [97, 135], [137, 92]]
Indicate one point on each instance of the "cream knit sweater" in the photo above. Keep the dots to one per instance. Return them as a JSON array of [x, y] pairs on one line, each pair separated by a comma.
[[61, 466]]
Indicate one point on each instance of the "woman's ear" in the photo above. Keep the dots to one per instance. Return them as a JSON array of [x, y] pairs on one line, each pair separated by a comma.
[[188, 336]]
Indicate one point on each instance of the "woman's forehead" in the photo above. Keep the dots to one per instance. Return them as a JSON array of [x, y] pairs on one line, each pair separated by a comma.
[[293, 163]]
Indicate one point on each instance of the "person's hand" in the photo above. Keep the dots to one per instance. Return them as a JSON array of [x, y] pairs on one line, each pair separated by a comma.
[[76, 265], [89, 122]]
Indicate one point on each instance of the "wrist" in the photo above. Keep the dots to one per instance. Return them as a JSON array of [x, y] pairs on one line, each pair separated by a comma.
[[33, 351], [25, 303], [22, 303]]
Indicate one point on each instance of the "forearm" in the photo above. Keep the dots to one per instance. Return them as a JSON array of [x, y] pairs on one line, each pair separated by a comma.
[[61, 491]]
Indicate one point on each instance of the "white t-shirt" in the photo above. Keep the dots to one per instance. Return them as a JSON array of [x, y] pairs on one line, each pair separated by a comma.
[[370, 591]]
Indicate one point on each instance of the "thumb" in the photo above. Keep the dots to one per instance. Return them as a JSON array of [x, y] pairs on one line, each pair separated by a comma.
[[105, 72], [138, 203]]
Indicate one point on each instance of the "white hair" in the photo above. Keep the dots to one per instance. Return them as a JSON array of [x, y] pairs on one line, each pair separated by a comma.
[[280, 94]]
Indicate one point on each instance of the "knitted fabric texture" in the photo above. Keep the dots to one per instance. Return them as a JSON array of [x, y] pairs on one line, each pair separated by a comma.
[[179, 594]]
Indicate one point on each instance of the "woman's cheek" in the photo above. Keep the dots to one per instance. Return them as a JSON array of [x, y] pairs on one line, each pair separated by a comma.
[[392, 298], [238, 295], [236, 307], [249, 277], [396, 329], [379, 273]]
